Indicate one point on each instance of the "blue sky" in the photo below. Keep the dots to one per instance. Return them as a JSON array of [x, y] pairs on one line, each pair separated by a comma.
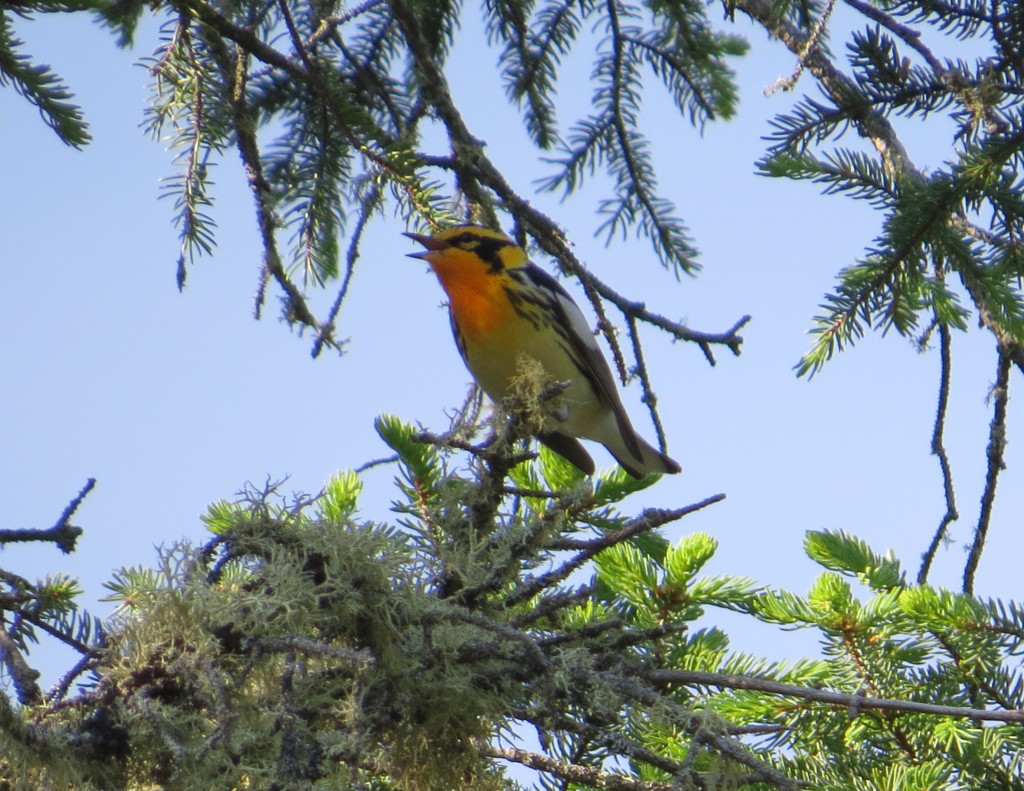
[[173, 400]]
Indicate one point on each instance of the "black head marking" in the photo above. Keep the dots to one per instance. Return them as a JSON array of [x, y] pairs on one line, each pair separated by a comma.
[[487, 247]]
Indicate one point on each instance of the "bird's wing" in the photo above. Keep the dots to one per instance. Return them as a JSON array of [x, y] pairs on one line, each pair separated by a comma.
[[582, 346]]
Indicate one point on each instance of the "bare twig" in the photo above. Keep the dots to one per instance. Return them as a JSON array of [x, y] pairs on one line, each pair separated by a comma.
[[996, 463], [939, 450], [328, 326], [649, 397], [63, 534]]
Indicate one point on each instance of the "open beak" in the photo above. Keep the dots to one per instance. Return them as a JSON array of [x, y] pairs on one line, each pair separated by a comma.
[[429, 242]]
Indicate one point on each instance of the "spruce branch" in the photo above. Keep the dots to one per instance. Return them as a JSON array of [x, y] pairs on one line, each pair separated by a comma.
[[976, 680], [692, 722], [650, 519], [855, 701], [552, 602], [599, 739], [43, 88], [871, 124], [60, 634], [631, 168], [86, 662], [952, 79]]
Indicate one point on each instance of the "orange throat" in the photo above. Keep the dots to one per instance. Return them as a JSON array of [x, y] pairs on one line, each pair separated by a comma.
[[475, 295]]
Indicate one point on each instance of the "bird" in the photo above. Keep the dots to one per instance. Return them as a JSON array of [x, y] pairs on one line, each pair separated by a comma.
[[504, 308]]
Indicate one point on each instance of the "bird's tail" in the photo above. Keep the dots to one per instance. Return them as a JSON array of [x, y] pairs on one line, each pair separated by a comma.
[[640, 458]]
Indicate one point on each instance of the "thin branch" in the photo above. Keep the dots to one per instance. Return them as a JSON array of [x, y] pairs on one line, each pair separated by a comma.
[[551, 240], [293, 33], [22, 675], [553, 602], [329, 26], [650, 519], [266, 216], [83, 665], [648, 397], [841, 699], [538, 494], [954, 80], [692, 722], [812, 43], [68, 640], [909, 35], [575, 773], [369, 465], [365, 212], [976, 679], [996, 463], [939, 450], [606, 738], [63, 534]]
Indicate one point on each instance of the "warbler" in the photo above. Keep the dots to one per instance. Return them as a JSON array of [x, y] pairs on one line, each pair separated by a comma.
[[504, 308]]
